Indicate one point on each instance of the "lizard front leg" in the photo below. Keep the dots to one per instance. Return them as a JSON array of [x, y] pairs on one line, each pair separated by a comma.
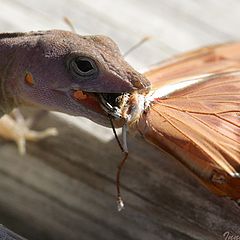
[[14, 127]]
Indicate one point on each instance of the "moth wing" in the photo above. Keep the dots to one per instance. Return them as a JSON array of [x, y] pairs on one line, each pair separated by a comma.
[[212, 59], [200, 123]]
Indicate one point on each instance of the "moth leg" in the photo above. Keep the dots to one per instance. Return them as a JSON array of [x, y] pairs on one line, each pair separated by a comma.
[[15, 128]]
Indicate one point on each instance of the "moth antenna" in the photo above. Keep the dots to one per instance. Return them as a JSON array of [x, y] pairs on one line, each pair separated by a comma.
[[124, 135], [115, 134], [70, 24], [136, 45], [124, 149]]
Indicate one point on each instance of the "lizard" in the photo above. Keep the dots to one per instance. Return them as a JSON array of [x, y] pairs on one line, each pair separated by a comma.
[[61, 71]]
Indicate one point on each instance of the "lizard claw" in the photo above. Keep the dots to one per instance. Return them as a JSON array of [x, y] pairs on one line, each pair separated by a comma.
[[14, 127]]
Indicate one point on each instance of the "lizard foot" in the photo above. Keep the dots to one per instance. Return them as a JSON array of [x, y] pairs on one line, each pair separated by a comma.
[[14, 127]]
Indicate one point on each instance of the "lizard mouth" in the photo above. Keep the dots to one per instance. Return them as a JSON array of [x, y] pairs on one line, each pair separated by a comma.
[[122, 108], [114, 104], [110, 104]]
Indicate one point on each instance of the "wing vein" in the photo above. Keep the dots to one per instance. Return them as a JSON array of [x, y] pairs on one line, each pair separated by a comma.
[[221, 162]]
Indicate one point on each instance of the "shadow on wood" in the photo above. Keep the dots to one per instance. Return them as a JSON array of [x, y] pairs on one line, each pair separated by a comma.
[[64, 188]]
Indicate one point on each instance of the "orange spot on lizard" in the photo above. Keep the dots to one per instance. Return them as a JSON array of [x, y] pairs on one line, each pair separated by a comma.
[[79, 95], [29, 79]]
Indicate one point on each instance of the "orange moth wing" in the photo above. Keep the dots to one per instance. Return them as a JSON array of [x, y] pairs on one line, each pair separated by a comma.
[[194, 114], [212, 59]]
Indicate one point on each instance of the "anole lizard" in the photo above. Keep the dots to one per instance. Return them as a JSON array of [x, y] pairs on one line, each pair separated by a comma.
[[63, 71]]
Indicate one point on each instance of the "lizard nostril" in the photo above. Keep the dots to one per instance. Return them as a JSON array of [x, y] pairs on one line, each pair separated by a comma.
[[138, 80]]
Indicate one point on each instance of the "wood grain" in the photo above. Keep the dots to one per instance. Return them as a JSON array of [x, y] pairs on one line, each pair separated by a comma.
[[64, 187]]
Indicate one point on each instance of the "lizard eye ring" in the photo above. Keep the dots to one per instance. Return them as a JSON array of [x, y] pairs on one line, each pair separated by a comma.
[[82, 66]]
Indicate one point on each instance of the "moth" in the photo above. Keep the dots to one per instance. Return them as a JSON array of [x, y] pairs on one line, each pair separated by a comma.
[[192, 111]]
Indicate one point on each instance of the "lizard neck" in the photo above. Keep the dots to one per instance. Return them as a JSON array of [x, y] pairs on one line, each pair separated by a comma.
[[11, 61], [7, 98]]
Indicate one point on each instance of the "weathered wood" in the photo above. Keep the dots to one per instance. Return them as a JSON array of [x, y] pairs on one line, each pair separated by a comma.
[[64, 188]]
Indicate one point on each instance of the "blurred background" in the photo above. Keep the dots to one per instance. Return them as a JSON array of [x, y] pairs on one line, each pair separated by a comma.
[[174, 26], [64, 188]]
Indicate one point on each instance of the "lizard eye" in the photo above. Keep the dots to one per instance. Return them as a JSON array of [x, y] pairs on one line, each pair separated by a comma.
[[83, 66]]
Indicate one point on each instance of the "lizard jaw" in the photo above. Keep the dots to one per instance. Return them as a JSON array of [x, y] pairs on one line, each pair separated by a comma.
[[105, 104], [122, 108], [112, 103]]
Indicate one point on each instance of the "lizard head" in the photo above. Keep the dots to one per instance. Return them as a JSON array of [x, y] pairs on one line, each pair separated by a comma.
[[78, 75]]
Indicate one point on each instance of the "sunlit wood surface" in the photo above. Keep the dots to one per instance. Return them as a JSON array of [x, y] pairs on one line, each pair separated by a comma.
[[64, 188]]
